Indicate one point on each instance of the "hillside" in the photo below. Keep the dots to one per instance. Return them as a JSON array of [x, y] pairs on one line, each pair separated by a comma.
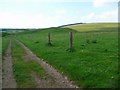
[[92, 64], [94, 27]]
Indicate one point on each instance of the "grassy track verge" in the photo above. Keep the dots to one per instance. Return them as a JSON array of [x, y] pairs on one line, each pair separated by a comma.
[[91, 65], [23, 69], [5, 41], [0, 45]]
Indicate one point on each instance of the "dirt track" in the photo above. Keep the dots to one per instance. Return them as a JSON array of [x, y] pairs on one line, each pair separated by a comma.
[[53, 79], [8, 80]]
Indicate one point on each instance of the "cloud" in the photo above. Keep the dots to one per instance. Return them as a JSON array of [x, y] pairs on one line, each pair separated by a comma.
[[109, 16], [61, 11], [23, 20], [39, 1], [100, 3]]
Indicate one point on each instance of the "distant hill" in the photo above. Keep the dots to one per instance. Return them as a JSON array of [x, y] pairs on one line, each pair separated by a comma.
[[93, 27], [14, 30], [71, 24]]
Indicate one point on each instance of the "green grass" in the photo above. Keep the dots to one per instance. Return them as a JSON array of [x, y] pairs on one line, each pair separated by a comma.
[[4, 43], [0, 59], [23, 69], [90, 65], [0, 45]]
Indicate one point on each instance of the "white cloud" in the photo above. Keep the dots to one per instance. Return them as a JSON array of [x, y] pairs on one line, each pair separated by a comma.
[[19, 1], [61, 11], [78, 12], [100, 3], [22, 20], [110, 16]]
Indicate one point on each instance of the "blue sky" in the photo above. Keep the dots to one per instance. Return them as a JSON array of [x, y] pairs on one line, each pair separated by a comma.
[[49, 13]]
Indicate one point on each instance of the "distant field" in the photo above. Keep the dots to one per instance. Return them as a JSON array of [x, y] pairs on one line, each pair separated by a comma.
[[94, 27], [92, 64]]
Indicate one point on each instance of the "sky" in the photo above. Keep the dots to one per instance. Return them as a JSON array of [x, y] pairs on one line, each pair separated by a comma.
[[52, 13]]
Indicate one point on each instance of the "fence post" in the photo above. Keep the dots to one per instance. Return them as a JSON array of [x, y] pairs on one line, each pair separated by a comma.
[[71, 39], [71, 49], [49, 38]]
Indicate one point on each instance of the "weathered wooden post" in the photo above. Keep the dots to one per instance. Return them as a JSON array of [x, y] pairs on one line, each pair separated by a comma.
[[49, 40], [71, 39], [70, 49]]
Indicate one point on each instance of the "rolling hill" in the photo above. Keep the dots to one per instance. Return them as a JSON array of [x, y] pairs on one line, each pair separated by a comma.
[[93, 27]]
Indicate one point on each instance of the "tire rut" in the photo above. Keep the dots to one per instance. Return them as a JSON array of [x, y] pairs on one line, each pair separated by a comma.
[[8, 77]]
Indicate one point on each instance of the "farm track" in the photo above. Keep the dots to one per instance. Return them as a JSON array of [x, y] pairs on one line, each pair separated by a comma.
[[53, 79], [8, 77], [0, 71]]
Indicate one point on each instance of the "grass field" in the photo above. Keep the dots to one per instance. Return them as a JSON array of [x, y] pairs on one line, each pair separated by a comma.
[[0, 45], [92, 64]]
